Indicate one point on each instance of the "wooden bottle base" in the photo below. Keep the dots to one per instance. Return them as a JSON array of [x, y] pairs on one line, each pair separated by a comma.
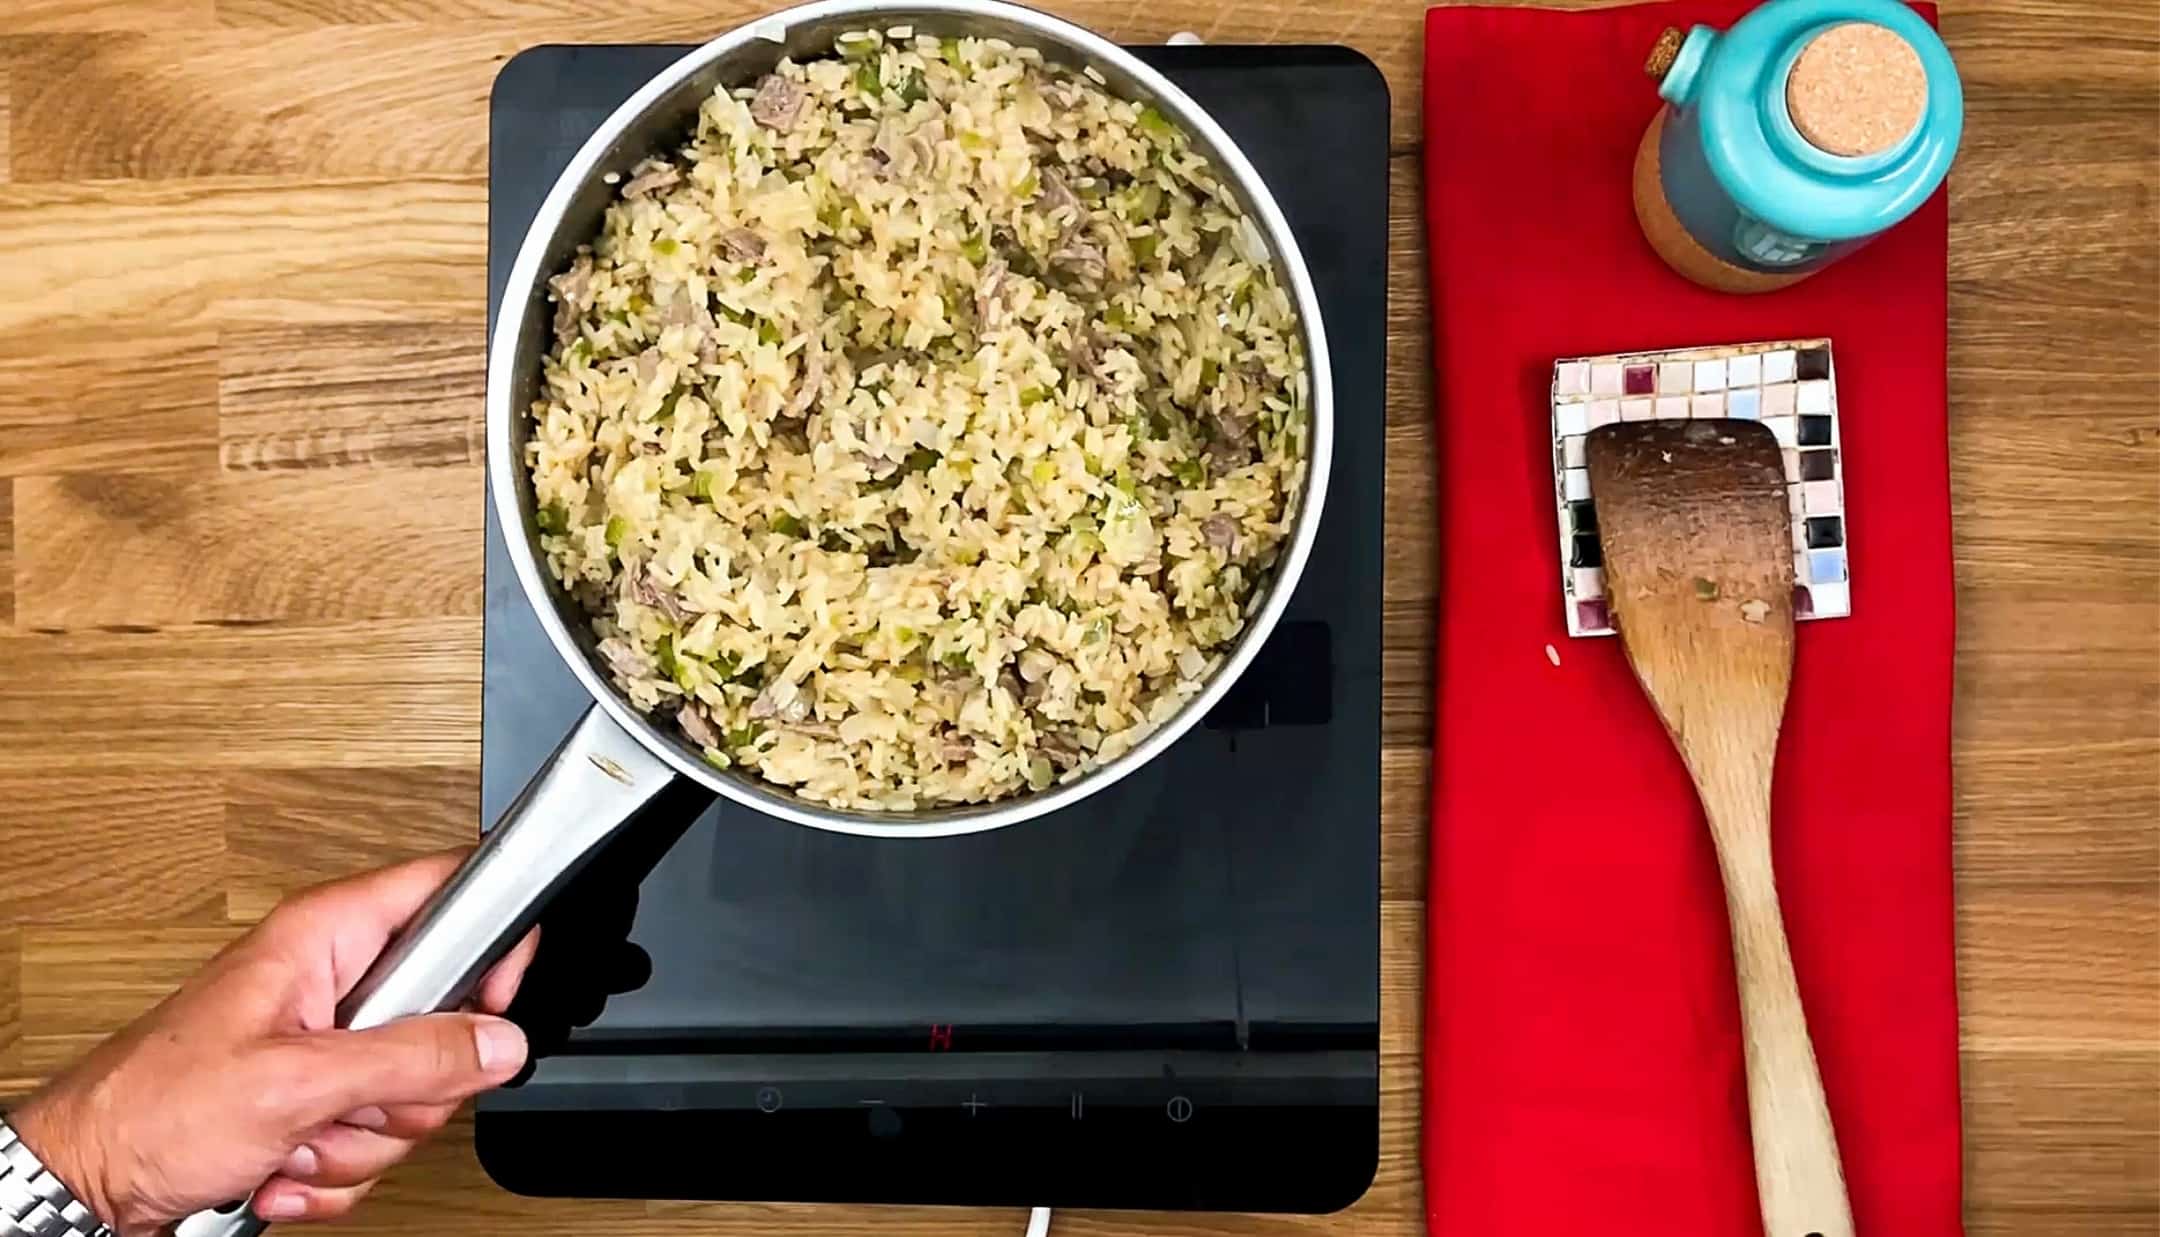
[[1671, 239]]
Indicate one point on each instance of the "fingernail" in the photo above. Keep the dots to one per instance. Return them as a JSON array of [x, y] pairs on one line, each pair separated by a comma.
[[284, 1207], [301, 1163], [500, 1044], [369, 1118]]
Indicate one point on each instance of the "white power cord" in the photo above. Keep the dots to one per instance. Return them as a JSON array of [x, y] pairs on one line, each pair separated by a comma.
[[1039, 1222]]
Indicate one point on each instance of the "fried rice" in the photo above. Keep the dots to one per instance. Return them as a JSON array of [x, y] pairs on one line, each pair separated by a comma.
[[922, 431]]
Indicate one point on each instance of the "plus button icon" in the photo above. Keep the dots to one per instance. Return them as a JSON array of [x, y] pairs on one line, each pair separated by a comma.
[[973, 1104]]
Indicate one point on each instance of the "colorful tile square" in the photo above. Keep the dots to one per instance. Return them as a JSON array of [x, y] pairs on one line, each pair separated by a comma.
[[1789, 386], [1831, 600]]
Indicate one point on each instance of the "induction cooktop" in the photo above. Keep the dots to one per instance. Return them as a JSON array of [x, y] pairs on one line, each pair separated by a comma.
[[1165, 996]]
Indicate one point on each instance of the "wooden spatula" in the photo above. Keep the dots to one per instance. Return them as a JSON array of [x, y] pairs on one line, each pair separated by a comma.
[[1698, 566]]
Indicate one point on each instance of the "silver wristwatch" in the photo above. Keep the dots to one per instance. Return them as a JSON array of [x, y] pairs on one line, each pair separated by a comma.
[[33, 1202]]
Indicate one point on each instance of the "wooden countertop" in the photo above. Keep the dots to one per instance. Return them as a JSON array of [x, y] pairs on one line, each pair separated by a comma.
[[242, 280]]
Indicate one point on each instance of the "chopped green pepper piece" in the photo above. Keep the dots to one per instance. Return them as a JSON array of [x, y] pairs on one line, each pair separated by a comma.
[[1031, 396], [857, 48], [1027, 185], [701, 484], [913, 89], [956, 659], [742, 736], [666, 246], [1190, 473], [787, 525], [617, 529], [951, 50], [976, 249], [920, 460], [552, 518], [1155, 124], [768, 333], [866, 79], [667, 406], [1143, 248], [1043, 473], [1210, 370]]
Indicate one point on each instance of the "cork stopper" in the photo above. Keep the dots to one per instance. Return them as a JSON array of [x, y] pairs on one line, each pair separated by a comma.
[[1664, 53], [1857, 89]]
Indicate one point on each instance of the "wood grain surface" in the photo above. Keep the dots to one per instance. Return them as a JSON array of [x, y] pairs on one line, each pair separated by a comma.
[[242, 285]]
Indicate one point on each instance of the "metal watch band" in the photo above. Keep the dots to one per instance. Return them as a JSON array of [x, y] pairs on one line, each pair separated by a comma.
[[33, 1202]]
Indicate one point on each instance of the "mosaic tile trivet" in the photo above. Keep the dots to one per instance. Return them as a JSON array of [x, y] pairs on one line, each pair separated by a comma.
[[1791, 387]]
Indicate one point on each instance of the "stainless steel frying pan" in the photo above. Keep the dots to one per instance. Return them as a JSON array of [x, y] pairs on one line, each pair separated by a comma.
[[617, 759]]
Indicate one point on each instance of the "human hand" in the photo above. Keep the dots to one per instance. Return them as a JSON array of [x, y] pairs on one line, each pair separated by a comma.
[[241, 1077]]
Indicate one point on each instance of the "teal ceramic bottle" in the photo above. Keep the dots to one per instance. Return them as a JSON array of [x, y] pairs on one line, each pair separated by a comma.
[[1793, 138]]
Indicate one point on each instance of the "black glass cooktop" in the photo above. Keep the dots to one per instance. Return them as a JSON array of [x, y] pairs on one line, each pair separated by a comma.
[[1164, 996]]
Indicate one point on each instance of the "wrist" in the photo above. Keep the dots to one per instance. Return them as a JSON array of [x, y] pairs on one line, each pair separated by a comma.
[[61, 1136]]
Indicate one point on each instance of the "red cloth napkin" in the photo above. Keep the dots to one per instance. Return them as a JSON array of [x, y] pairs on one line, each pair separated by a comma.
[[1582, 1041]]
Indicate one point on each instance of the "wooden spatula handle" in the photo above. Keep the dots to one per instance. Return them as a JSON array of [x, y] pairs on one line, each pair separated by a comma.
[[1797, 1172]]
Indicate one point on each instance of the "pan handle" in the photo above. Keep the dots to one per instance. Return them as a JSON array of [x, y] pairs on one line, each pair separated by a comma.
[[586, 791]]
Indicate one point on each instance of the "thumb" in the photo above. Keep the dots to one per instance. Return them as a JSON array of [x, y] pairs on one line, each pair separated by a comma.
[[433, 1059]]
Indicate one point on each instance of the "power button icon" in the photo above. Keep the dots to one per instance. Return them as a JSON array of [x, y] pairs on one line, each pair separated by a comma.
[[768, 1099], [1179, 1109]]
